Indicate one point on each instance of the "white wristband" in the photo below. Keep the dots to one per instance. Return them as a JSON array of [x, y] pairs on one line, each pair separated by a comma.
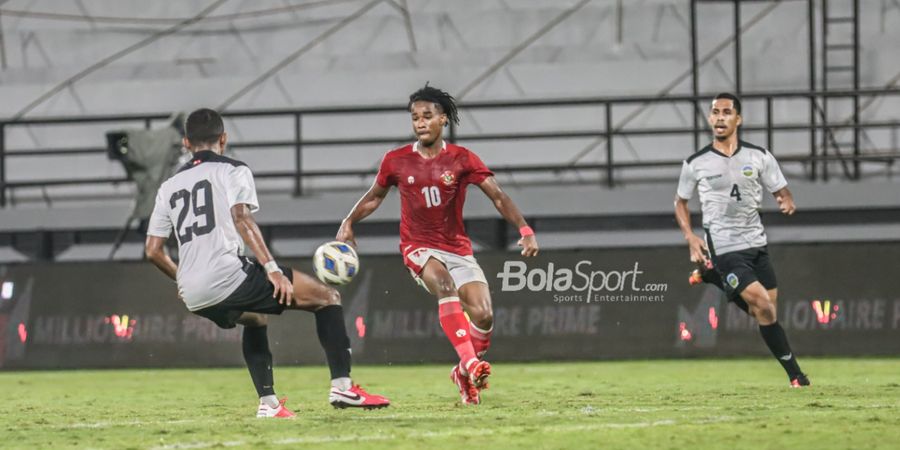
[[272, 266]]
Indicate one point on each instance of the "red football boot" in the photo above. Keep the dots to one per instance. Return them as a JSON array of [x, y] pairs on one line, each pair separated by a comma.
[[478, 374], [266, 412], [356, 397], [467, 393]]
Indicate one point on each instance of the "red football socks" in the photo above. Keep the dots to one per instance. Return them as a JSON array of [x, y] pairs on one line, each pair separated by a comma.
[[456, 327], [481, 339]]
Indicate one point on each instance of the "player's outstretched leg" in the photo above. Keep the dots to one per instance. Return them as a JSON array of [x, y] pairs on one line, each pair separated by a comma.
[[454, 323], [476, 300], [325, 302], [706, 273], [255, 344], [762, 307]]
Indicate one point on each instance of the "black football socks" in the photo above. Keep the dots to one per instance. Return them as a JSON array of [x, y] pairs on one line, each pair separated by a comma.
[[259, 359], [333, 337], [776, 339]]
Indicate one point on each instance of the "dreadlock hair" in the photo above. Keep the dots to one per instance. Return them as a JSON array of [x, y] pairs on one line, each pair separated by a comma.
[[438, 97]]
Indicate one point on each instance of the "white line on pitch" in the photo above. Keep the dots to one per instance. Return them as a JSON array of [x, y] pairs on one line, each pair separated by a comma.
[[395, 416], [126, 423], [445, 433]]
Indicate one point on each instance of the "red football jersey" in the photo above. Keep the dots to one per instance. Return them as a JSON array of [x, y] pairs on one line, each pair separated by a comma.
[[432, 194]]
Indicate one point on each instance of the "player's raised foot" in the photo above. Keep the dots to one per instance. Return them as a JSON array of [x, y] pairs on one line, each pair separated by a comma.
[[468, 394], [267, 412], [705, 274], [478, 373], [356, 397], [800, 381], [695, 278]]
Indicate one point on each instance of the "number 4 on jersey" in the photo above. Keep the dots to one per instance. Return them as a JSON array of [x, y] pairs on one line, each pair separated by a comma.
[[736, 193]]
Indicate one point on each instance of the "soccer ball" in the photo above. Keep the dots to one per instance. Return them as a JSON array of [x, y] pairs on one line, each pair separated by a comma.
[[335, 263]]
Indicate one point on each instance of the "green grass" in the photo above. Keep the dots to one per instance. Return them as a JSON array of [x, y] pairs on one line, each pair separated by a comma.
[[854, 403]]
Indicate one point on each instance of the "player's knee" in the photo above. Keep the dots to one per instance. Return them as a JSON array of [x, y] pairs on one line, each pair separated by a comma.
[[764, 316], [446, 288], [480, 314], [488, 316], [483, 317], [769, 312], [762, 308], [755, 297]]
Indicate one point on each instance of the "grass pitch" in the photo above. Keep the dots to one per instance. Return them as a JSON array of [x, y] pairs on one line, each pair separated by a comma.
[[854, 403]]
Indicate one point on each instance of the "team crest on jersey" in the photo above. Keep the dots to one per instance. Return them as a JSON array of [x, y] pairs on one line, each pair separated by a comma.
[[447, 177], [410, 180], [732, 280], [747, 171]]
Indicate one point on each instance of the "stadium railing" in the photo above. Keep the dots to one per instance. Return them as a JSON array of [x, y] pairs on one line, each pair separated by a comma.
[[817, 157]]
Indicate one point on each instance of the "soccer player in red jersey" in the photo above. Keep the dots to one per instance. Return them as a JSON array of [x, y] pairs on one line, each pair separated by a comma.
[[432, 176]]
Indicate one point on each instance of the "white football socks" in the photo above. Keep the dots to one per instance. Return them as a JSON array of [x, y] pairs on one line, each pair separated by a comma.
[[269, 400], [342, 384]]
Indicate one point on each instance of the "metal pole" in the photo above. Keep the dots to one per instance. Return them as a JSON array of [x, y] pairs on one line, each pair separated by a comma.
[[501, 234], [737, 46], [769, 135], [812, 87], [619, 22], [695, 76], [696, 125], [2, 165], [856, 130], [824, 109], [298, 155], [45, 246], [609, 146]]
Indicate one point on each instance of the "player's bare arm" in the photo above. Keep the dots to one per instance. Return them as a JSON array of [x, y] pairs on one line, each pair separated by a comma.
[[785, 201], [511, 213], [366, 205], [248, 229], [155, 250], [695, 244]]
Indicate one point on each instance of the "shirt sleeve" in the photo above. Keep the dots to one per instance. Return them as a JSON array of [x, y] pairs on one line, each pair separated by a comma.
[[240, 188], [386, 177], [771, 175], [160, 223], [687, 182], [476, 170]]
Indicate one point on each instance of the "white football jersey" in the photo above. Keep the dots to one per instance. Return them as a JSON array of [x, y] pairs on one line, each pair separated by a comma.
[[197, 202], [731, 190]]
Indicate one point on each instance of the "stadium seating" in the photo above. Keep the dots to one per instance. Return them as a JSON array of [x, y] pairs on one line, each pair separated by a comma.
[[592, 53]]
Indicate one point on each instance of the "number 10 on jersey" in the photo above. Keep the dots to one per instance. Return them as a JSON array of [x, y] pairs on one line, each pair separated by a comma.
[[432, 196]]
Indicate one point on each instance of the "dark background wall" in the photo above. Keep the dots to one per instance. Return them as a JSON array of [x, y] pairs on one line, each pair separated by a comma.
[[641, 306]]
